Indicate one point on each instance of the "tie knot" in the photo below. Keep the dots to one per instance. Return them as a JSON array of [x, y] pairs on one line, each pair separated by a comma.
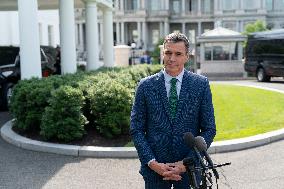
[[173, 81]]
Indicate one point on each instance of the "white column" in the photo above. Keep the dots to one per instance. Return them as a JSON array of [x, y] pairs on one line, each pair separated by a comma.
[[182, 7], [138, 4], [199, 29], [145, 36], [118, 40], [217, 7], [199, 7], [122, 33], [143, 4], [263, 5], [241, 4], [162, 33], [139, 34], [77, 34], [101, 33], [81, 36], [29, 39], [121, 4], [67, 36], [92, 35], [167, 6], [116, 4], [166, 27], [183, 28], [108, 38]]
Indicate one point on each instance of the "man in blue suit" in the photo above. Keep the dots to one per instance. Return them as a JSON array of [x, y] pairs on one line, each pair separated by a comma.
[[167, 105]]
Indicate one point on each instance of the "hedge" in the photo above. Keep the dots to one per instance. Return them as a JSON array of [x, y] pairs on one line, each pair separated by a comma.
[[59, 107]]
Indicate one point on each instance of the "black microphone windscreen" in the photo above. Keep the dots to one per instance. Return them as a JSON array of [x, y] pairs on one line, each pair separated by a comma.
[[200, 143], [189, 139]]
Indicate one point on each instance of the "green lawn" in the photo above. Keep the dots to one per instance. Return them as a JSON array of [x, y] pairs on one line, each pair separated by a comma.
[[246, 111]]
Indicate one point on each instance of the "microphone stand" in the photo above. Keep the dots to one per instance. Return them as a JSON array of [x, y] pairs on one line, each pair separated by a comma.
[[206, 176], [190, 169]]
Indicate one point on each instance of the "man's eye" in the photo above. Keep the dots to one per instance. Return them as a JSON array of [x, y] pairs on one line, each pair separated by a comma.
[[168, 53]]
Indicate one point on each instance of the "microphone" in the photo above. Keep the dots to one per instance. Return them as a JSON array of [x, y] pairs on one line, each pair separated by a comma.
[[202, 147], [190, 142]]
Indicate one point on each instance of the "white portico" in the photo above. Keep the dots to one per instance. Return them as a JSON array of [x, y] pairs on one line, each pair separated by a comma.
[[29, 33]]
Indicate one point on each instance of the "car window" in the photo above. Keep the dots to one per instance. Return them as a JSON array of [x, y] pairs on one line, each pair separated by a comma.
[[8, 55]]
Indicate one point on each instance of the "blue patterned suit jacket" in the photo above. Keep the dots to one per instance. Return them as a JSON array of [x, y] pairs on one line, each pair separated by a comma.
[[155, 134]]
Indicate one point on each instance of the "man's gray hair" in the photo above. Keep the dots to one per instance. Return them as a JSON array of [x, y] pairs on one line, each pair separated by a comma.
[[175, 38]]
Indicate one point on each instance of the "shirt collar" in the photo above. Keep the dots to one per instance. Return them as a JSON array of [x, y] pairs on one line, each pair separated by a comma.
[[168, 77]]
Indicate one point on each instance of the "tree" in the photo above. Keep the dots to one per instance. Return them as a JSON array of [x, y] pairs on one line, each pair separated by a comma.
[[257, 26]]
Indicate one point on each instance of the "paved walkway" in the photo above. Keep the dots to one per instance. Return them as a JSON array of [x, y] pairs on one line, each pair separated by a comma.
[[259, 167]]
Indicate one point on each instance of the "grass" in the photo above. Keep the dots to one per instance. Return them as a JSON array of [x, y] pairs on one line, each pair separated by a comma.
[[245, 111]]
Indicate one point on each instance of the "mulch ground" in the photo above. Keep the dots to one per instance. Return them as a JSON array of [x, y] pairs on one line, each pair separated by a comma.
[[91, 138]]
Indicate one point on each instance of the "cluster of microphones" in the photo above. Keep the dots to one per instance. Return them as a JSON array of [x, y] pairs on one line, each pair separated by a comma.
[[199, 145]]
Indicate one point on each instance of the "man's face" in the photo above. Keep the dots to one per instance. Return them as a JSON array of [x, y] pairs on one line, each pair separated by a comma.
[[175, 56]]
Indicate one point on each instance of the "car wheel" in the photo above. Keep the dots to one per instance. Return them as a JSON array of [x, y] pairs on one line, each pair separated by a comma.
[[261, 75], [6, 95]]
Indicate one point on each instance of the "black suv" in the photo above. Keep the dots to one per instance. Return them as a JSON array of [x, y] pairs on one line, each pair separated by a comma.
[[10, 72], [264, 54]]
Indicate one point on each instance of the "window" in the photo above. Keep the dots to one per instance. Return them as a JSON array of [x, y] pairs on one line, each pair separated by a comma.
[[192, 6], [176, 6], [206, 6], [250, 5], [131, 4], [269, 5], [265, 47], [279, 4], [230, 25], [229, 4], [221, 51], [155, 5]]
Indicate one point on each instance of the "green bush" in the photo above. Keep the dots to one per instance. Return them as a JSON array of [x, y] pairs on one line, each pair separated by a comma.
[[28, 102], [110, 104], [63, 119], [103, 97]]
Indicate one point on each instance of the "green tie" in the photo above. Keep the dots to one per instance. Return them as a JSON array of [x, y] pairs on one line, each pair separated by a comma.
[[173, 97]]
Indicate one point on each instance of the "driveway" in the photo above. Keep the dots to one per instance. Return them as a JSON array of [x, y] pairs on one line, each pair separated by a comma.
[[257, 168]]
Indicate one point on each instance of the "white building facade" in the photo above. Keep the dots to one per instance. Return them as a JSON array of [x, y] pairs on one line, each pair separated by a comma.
[[146, 21]]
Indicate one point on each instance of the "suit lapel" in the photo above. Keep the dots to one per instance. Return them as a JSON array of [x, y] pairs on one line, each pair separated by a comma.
[[163, 93], [184, 94]]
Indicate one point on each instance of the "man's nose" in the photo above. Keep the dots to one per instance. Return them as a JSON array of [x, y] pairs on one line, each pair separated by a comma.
[[173, 57]]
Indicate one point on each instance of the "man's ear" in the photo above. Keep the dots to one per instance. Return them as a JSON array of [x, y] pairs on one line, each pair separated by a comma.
[[187, 55]]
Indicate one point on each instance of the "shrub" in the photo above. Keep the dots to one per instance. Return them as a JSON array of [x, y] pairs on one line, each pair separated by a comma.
[[63, 119], [28, 102], [60, 105], [110, 104]]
